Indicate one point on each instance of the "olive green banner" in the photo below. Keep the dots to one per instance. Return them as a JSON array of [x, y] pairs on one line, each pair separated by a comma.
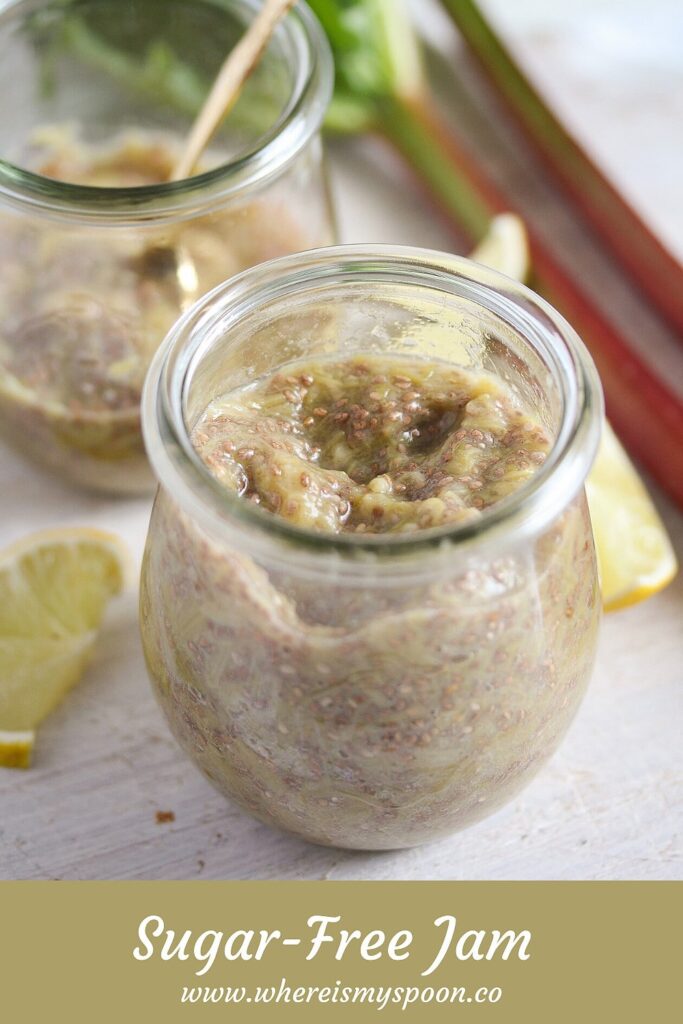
[[276, 951]]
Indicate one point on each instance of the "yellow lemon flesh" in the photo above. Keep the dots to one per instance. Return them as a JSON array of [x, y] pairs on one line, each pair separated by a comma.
[[54, 588], [635, 555], [505, 247], [16, 749], [634, 552]]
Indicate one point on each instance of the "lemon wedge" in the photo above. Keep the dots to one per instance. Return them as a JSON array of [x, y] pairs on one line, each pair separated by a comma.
[[505, 247], [54, 588], [635, 555]]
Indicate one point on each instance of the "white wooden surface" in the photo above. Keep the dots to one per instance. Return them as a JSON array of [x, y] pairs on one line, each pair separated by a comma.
[[609, 805]]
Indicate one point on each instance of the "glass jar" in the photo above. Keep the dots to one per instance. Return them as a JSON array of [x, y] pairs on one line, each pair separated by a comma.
[[361, 691], [97, 259]]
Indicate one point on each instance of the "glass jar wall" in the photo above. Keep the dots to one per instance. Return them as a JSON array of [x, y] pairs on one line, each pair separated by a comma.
[[370, 691]]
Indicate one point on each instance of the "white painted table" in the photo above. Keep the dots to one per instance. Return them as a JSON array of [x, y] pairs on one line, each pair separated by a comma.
[[608, 806]]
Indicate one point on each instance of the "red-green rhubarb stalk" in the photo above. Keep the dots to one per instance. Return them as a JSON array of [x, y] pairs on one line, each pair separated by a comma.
[[652, 266], [381, 87]]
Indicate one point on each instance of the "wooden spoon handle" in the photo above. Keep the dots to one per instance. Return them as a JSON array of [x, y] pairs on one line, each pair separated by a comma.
[[226, 90]]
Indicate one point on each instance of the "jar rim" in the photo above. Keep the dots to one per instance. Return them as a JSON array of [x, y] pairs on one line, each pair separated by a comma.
[[527, 511], [301, 119]]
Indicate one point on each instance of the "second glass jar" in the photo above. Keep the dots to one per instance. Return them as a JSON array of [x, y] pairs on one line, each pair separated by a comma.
[[97, 257]]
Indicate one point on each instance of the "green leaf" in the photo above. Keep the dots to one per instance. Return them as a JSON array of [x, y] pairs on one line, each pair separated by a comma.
[[375, 48], [376, 52]]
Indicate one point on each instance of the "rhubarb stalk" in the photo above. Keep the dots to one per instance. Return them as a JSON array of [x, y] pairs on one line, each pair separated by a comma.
[[632, 243]]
